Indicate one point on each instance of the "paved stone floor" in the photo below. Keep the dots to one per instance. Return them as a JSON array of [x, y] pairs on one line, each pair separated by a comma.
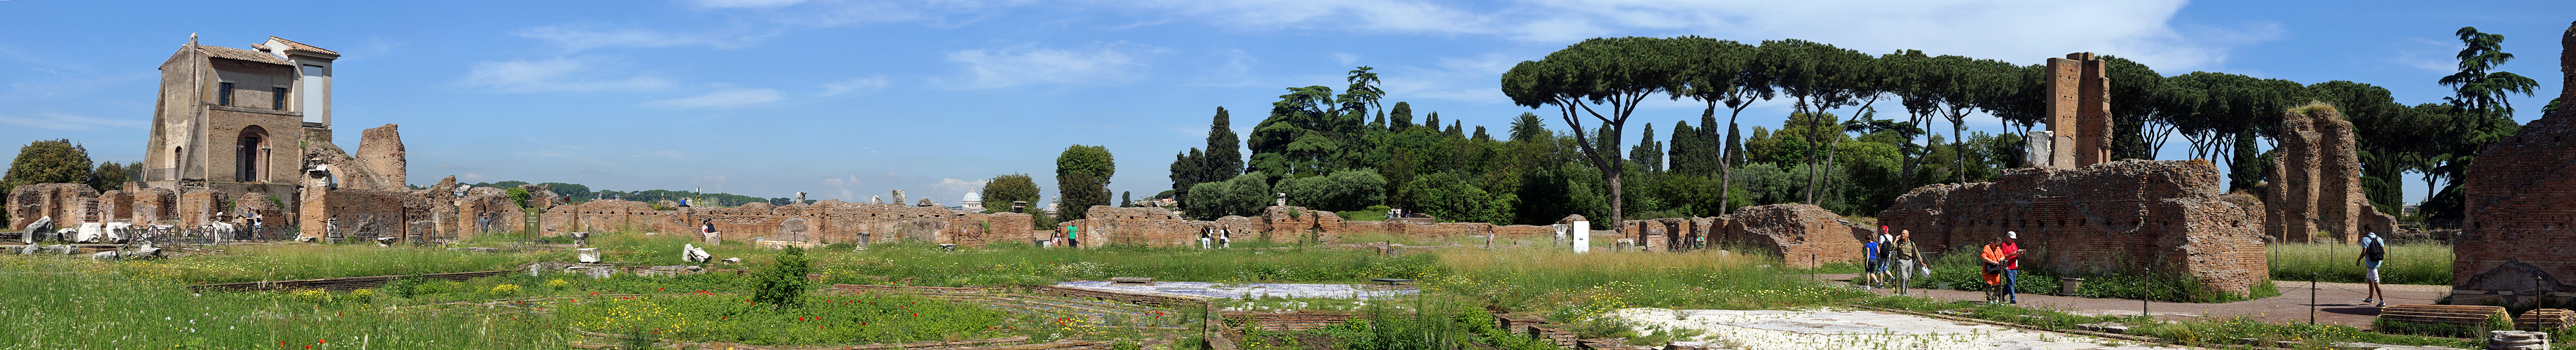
[[1244, 290], [2335, 303], [1839, 329]]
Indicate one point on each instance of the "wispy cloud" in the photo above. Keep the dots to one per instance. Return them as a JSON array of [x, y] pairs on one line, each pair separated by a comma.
[[59, 121], [846, 185], [859, 85], [744, 3], [554, 75], [572, 38], [726, 98], [1029, 64]]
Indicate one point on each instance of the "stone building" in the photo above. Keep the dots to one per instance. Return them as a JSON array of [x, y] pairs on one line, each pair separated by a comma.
[[2514, 247], [249, 131]]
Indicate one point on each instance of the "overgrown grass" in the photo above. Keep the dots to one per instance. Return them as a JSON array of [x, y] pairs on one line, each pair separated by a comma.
[[73, 303], [1568, 286], [246, 263], [2417, 263]]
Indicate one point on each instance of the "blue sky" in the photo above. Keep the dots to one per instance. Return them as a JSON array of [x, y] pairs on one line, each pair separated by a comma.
[[847, 99]]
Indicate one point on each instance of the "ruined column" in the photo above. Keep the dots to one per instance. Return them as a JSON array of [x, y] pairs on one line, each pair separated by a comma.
[[2079, 111], [2315, 182]]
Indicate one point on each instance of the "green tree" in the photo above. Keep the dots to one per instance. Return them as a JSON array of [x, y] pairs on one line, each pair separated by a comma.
[[1342, 191], [45, 162], [2477, 86], [1004, 189], [112, 176], [1616, 74], [1244, 195], [1451, 199], [1082, 179]]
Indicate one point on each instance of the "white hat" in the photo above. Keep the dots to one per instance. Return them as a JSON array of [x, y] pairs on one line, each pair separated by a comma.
[[2012, 235]]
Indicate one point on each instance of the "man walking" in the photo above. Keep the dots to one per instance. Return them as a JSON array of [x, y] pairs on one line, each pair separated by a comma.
[[1906, 256], [1869, 263], [2374, 251], [2011, 249]]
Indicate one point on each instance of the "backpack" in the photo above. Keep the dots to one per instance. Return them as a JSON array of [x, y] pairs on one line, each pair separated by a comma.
[[2374, 249]]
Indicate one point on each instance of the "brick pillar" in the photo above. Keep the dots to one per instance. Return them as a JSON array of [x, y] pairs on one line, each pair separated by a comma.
[[2093, 112], [2064, 80]]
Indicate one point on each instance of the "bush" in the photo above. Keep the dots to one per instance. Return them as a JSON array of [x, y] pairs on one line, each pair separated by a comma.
[[783, 284], [1340, 191], [1244, 195]]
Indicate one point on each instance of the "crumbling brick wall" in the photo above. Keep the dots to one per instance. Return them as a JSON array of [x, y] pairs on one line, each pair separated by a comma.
[[1803, 235], [829, 221], [2079, 112], [381, 149], [2520, 226], [2315, 182], [66, 203], [2130, 216], [361, 214]]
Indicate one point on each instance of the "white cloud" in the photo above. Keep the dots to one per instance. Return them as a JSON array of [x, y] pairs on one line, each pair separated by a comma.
[[2427, 54], [1471, 79], [846, 185], [580, 37], [2013, 30], [745, 3], [554, 75], [865, 84], [58, 121], [727, 98], [1029, 64], [1345, 58], [957, 185]]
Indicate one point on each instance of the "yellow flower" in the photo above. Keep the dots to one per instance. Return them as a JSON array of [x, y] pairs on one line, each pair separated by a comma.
[[506, 289]]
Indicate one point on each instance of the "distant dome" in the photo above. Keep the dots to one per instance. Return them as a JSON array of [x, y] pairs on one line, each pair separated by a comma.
[[972, 195]]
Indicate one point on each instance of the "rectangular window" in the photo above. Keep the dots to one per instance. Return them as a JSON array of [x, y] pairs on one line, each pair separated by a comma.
[[277, 98], [224, 94]]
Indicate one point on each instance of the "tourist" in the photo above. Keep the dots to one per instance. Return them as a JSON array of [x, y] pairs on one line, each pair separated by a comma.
[[2011, 249], [1869, 263], [254, 224], [1885, 241], [2374, 251], [1990, 258], [1906, 258], [1072, 236]]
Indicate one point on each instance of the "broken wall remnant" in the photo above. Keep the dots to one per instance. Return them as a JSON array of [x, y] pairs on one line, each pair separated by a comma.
[[1801, 235], [828, 221], [2315, 182], [2521, 215], [2123, 217], [2079, 114]]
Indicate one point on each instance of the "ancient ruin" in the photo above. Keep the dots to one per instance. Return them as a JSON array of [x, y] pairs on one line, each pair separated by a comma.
[[2124, 217], [2314, 189], [2079, 115], [240, 134], [2513, 249], [1803, 235]]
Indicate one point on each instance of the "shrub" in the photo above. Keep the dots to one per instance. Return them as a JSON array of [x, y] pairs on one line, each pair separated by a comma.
[[783, 284]]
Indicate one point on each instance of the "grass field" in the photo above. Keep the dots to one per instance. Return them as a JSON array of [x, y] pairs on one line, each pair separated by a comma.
[[2418, 263]]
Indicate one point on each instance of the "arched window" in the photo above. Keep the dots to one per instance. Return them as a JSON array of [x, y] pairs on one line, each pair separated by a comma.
[[251, 154]]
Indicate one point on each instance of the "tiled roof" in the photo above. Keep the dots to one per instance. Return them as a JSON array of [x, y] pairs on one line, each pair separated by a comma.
[[240, 54], [292, 45]]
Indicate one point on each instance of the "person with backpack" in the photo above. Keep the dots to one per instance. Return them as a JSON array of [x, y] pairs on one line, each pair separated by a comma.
[[2374, 251]]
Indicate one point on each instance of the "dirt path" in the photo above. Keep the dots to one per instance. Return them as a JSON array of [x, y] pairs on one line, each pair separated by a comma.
[[2336, 303]]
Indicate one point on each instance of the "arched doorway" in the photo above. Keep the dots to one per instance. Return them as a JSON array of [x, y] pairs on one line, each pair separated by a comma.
[[253, 153]]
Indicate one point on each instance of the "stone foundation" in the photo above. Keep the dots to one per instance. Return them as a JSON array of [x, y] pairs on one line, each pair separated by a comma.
[[2124, 217]]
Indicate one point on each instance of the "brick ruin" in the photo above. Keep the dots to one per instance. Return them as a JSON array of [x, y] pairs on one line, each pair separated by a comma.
[[1802, 235], [829, 221], [2079, 115], [2314, 189], [2517, 236], [2123, 217]]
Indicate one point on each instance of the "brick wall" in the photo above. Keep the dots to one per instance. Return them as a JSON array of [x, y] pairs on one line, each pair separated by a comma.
[[829, 221], [2129, 216], [2314, 184], [381, 149], [66, 203], [2520, 224]]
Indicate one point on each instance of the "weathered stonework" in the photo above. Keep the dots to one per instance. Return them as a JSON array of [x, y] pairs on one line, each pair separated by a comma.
[[2124, 217], [2521, 196], [1157, 227], [829, 221], [2079, 111], [1801, 235], [2314, 191]]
